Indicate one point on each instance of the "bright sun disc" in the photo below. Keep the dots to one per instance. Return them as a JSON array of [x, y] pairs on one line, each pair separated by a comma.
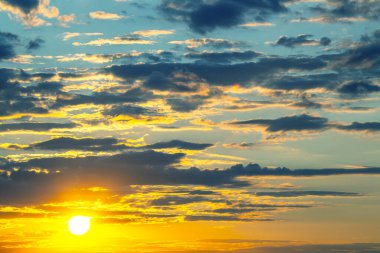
[[79, 225]]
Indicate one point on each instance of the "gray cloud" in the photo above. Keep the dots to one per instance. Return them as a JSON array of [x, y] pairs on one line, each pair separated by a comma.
[[301, 40]]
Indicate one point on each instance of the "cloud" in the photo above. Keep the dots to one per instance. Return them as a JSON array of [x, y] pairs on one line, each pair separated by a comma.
[[109, 144], [304, 82], [119, 40], [291, 194], [26, 6], [223, 57], [35, 44], [358, 89], [210, 42], [203, 16], [257, 24], [34, 126], [103, 98], [301, 40], [179, 144], [185, 104], [218, 74], [31, 12], [346, 10], [65, 20], [302, 122], [357, 126], [105, 15], [152, 33], [69, 35], [7, 43]]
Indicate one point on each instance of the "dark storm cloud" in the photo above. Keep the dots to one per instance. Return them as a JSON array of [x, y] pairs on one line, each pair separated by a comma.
[[358, 89], [110, 144], [35, 44], [7, 43], [223, 57], [307, 193], [203, 17], [25, 5], [220, 74], [34, 126], [289, 123], [301, 40]]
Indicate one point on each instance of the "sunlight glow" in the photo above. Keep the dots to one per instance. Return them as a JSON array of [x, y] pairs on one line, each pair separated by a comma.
[[79, 225]]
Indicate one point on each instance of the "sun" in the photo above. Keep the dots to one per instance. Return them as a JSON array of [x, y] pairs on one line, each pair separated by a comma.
[[79, 225]]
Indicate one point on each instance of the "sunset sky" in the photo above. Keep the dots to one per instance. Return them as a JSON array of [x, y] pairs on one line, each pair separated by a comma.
[[242, 126]]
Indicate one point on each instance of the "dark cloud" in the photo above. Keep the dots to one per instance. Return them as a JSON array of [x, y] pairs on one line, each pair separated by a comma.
[[178, 200], [289, 123], [25, 5], [34, 126], [103, 98], [223, 57], [358, 89], [330, 248], [203, 16], [217, 74], [357, 126], [159, 81], [179, 144], [185, 104], [134, 168], [214, 218], [129, 110], [307, 82], [301, 40], [364, 55], [110, 144], [71, 143], [306, 102], [338, 10], [15, 98], [35, 44], [308, 193], [7, 43]]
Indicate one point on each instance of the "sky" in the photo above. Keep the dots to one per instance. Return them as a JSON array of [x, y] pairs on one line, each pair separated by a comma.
[[190, 125]]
